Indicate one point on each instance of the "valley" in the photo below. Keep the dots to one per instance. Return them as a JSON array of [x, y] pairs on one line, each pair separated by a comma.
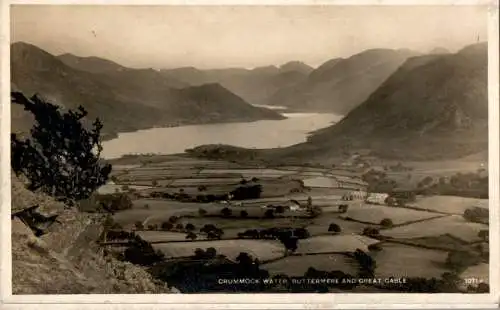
[[176, 225]]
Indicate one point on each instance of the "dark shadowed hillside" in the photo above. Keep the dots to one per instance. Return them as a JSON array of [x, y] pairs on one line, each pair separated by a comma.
[[118, 95], [433, 106], [339, 85]]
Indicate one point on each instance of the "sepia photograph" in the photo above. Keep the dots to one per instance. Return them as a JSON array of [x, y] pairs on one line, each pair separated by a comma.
[[249, 149]]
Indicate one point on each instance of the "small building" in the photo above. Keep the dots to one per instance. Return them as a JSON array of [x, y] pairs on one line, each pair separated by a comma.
[[355, 195], [377, 198]]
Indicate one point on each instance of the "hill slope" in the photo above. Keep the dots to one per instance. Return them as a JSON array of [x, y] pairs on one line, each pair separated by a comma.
[[68, 260], [433, 106], [339, 85], [124, 99], [254, 86]]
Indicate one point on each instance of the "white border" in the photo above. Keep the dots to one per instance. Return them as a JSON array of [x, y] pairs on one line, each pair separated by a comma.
[[252, 301]]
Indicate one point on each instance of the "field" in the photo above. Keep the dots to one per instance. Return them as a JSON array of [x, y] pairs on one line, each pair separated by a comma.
[[405, 261], [450, 204], [454, 225], [320, 225], [163, 236], [295, 266], [262, 249], [159, 211], [420, 240], [334, 244], [375, 214]]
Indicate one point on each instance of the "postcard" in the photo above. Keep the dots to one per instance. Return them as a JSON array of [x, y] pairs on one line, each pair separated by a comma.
[[250, 155]]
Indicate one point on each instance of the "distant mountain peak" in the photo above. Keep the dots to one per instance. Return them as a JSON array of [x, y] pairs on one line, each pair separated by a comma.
[[296, 66], [439, 50], [90, 63]]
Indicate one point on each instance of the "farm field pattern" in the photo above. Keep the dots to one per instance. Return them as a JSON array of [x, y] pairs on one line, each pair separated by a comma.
[[428, 223]]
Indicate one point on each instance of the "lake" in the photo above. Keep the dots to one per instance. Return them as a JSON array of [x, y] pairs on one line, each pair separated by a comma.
[[258, 134]]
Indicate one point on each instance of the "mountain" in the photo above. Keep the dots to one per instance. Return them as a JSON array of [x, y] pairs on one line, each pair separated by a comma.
[[339, 84], [296, 66], [433, 106], [124, 99], [253, 85], [439, 50], [90, 64]]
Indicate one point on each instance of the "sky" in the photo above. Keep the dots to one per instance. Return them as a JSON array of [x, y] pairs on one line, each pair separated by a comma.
[[241, 36]]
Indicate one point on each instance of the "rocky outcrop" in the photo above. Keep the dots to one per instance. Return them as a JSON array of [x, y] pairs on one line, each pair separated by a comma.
[[67, 260]]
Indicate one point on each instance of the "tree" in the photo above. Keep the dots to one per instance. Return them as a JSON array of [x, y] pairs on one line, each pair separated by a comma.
[[243, 213], [202, 212], [173, 219], [226, 212], [138, 225], [211, 252], [199, 253], [387, 222], [343, 208], [191, 235], [190, 227], [167, 226], [244, 259], [179, 226], [290, 242], [483, 234], [202, 188], [334, 228], [279, 209], [208, 228], [146, 206], [371, 231], [461, 260], [154, 183], [62, 158], [269, 213]]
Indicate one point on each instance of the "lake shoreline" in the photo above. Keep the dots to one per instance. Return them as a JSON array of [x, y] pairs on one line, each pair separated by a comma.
[[292, 129]]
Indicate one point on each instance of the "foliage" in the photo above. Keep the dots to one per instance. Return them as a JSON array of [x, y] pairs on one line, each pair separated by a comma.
[[366, 263], [378, 182], [62, 158], [167, 226], [138, 225], [226, 212], [269, 213], [243, 213], [247, 192], [202, 212], [387, 222], [191, 235], [142, 253], [484, 234], [371, 232], [343, 208], [334, 228], [461, 260], [477, 215]]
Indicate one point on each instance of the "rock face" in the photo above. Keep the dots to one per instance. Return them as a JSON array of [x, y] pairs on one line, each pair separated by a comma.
[[124, 99], [67, 260], [432, 107]]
